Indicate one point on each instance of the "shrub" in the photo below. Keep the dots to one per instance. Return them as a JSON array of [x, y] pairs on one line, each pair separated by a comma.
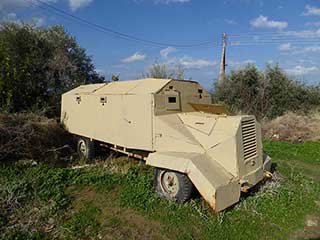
[[28, 136], [293, 128], [265, 94]]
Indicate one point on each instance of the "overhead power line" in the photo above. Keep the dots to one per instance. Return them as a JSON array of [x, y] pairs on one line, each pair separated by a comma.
[[302, 37], [289, 38], [113, 32], [266, 42], [273, 38], [241, 39], [284, 33]]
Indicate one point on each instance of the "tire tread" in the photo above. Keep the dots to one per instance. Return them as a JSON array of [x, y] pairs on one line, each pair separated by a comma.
[[185, 192]]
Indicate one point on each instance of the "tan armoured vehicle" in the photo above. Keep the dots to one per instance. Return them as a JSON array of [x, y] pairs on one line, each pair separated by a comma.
[[174, 127]]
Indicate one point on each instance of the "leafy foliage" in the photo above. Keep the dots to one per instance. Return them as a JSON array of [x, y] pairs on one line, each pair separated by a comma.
[[265, 94], [37, 65]]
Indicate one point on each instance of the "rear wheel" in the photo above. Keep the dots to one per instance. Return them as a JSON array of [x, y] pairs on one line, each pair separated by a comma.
[[85, 148], [173, 185]]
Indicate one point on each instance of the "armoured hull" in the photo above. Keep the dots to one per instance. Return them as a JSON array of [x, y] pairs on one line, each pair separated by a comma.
[[220, 154], [172, 125]]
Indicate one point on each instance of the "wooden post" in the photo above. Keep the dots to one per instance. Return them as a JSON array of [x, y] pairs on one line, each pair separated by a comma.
[[222, 73]]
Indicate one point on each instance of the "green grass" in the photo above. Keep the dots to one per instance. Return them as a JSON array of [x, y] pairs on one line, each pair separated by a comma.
[[82, 224], [308, 152], [92, 203]]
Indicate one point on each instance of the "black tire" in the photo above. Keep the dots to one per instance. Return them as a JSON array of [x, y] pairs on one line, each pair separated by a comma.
[[85, 148], [181, 191]]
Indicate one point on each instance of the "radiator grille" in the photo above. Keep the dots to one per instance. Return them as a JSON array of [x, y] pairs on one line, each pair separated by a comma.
[[249, 138]]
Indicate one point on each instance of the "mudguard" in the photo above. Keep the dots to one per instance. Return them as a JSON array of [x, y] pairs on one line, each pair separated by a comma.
[[218, 187]]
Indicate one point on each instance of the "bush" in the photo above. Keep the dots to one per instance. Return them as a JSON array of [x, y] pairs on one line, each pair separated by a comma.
[[37, 65], [267, 94], [28, 136]]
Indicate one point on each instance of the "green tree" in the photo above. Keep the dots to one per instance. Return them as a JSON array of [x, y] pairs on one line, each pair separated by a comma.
[[240, 90], [266, 94], [38, 64]]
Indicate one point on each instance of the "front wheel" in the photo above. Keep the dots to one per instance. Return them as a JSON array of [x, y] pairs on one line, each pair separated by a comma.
[[173, 185], [85, 148]]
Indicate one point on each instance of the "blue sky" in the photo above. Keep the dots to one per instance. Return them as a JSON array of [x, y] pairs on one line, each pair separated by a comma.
[[260, 31]]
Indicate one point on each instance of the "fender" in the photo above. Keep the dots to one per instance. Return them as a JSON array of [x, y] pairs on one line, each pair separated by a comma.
[[218, 187]]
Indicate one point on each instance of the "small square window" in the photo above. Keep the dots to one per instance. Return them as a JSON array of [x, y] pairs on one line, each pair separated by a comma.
[[103, 100], [172, 99], [200, 91], [78, 99]]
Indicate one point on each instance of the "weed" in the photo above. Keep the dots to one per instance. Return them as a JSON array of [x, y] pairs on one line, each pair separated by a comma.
[[137, 190], [275, 212], [114, 221], [18, 235], [83, 224]]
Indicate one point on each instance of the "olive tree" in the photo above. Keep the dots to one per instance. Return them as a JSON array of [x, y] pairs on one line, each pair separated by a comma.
[[37, 65]]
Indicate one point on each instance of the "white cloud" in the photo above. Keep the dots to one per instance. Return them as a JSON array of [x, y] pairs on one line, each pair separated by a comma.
[[166, 51], [134, 58], [301, 70], [76, 4], [171, 1], [38, 21], [285, 47], [231, 22], [304, 50], [311, 11], [264, 22], [258, 3], [314, 33], [13, 5], [10, 17], [289, 48], [191, 63], [8, 6], [304, 33], [313, 24]]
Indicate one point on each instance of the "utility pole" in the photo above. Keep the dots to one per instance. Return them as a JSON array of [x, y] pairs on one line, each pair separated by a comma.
[[223, 65]]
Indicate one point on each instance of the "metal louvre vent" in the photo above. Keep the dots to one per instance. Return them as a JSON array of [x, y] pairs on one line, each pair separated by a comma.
[[249, 138]]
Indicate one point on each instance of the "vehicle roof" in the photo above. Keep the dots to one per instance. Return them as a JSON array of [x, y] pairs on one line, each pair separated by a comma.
[[143, 86], [134, 87]]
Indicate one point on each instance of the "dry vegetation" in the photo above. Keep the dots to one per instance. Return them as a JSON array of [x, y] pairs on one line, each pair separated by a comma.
[[293, 128], [29, 136]]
